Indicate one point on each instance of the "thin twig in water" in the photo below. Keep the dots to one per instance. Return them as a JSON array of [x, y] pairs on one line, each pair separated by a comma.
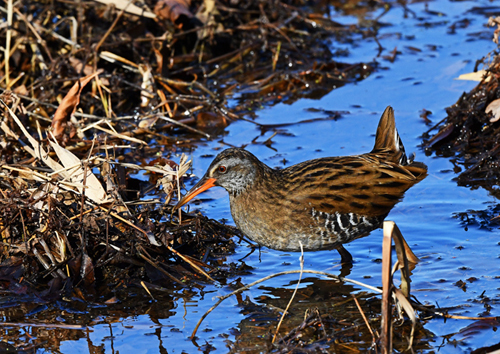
[[185, 126], [294, 292], [246, 287], [374, 339], [455, 317], [45, 325], [147, 290]]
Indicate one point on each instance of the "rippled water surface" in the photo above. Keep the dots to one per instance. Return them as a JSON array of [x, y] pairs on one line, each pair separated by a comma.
[[431, 55]]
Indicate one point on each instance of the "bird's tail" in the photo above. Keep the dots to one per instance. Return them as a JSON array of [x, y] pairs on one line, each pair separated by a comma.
[[387, 141]]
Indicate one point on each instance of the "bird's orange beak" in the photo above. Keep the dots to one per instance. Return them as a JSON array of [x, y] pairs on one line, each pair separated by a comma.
[[202, 185]]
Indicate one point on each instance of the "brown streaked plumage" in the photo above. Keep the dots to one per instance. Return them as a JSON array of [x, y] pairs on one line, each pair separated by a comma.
[[322, 203]]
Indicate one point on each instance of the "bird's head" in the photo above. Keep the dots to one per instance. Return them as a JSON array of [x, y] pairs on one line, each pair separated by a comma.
[[233, 169]]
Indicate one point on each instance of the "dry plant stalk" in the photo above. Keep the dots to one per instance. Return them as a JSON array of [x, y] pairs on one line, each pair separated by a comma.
[[374, 338], [10, 12], [170, 176], [405, 255], [128, 7]]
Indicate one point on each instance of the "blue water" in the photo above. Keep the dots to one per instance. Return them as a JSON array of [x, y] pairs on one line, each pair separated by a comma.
[[416, 80]]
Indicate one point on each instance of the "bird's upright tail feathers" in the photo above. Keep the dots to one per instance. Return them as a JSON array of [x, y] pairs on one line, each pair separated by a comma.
[[388, 141]]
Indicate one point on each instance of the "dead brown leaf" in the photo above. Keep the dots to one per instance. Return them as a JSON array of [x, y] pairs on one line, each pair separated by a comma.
[[69, 104], [87, 272], [210, 120]]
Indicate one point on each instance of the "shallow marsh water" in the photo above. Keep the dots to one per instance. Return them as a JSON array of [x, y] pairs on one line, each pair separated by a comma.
[[422, 76]]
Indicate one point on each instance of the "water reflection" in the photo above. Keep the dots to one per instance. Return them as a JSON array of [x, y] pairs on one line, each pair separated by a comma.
[[323, 316]]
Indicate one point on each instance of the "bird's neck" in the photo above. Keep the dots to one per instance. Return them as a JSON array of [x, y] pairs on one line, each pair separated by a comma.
[[260, 177]]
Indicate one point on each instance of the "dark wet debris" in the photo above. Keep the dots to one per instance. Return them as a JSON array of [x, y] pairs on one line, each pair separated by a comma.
[[121, 93], [51, 254], [484, 219], [470, 136], [333, 325]]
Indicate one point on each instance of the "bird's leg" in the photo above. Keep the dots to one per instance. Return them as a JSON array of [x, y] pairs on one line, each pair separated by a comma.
[[345, 269], [345, 256]]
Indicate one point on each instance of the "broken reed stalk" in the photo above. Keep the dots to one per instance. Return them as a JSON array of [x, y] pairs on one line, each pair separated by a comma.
[[178, 180], [405, 255], [386, 323]]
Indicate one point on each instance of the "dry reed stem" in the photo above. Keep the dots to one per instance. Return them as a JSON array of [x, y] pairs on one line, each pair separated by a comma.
[[141, 252], [120, 136], [10, 11], [185, 126], [147, 290], [386, 323], [455, 317], [187, 260], [404, 254], [178, 179]]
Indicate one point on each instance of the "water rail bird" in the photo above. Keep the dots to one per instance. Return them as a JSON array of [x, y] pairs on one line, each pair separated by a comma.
[[323, 203]]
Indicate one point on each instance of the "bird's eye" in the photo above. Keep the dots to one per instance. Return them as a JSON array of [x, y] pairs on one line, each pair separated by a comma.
[[222, 169]]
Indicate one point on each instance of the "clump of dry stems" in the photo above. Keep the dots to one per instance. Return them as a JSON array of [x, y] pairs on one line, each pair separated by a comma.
[[96, 95]]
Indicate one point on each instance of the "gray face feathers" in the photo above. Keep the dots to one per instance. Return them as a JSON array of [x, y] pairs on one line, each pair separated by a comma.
[[235, 170]]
